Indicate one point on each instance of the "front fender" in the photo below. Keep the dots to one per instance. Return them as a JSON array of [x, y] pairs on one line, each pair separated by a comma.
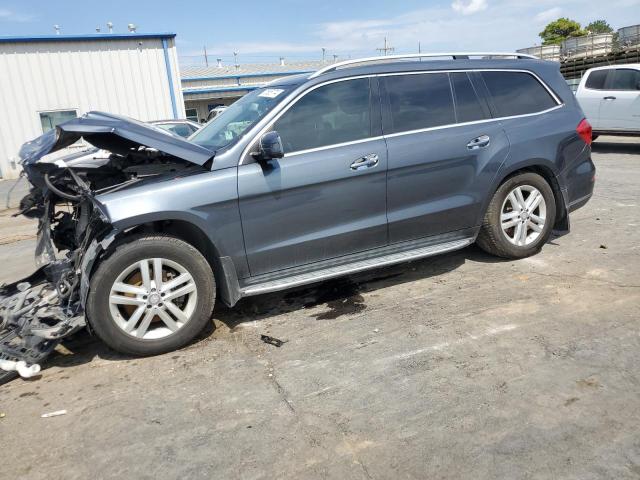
[[208, 200]]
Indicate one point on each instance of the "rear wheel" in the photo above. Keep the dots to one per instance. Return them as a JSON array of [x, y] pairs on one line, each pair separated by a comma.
[[152, 295], [520, 217]]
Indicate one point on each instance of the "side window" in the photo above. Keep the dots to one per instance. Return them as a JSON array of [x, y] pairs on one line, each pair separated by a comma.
[[597, 79], [49, 120], [418, 101], [335, 113], [625, 79], [468, 106], [517, 93]]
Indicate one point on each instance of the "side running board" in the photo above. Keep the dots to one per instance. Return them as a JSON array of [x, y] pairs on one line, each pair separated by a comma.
[[354, 267]]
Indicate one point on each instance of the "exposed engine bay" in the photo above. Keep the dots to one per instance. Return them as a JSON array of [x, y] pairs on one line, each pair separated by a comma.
[[73, 227]]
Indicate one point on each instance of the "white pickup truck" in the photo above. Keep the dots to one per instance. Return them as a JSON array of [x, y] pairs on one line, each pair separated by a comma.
[[610, 98]]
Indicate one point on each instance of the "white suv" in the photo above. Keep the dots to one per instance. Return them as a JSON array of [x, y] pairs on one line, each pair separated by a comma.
[[610, 98]]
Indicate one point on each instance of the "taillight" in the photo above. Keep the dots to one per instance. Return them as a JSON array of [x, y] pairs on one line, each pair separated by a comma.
[[584, 130]]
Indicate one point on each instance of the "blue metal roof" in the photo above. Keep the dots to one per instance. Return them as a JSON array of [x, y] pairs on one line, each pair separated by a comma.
[[195, 91], [84, 37], [247, 75]]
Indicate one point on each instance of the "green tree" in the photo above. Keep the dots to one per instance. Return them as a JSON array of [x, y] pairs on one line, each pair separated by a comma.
[[559, 30], [599, 26]]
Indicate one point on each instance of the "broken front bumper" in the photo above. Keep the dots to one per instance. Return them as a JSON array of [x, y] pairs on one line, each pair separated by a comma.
[[33, 318]]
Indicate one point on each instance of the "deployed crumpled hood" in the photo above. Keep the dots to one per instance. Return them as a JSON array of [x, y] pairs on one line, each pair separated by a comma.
[[114, 133]]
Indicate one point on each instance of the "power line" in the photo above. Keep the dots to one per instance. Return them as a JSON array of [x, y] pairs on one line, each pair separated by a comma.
[[385, 50]]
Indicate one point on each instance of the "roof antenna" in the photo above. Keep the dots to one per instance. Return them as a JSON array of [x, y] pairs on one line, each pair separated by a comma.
[[98, 29], [110, 27], [57, 29]]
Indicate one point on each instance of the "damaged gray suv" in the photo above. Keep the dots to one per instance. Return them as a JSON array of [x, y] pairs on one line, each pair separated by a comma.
[[359, 165]]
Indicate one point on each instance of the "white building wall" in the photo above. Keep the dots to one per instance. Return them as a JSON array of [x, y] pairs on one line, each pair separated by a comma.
[[122, 76]]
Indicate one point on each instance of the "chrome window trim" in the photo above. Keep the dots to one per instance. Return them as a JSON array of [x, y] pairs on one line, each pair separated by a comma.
[[559, 104], [475, 122], [333, 145]]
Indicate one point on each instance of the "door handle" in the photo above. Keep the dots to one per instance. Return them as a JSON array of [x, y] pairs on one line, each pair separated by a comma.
[[367, 161], [609, 98], [479, 142]]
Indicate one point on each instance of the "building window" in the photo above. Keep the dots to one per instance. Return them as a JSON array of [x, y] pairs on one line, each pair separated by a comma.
[[52, 119], [192, 114]]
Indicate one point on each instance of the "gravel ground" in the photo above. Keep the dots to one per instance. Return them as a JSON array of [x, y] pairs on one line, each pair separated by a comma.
[[460, 366]]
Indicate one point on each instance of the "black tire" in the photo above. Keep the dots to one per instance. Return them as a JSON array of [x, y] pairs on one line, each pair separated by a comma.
[[135, 249], [6, 377], [491, 237]]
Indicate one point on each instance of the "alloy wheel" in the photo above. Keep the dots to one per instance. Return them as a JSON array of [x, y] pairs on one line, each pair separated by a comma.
[[153, 298], [523, 215]]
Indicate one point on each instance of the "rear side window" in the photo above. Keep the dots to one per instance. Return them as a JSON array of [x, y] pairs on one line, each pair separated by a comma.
[[331, 114], [418, 101], [625, 79], [468, 106], [517, 93], [597, 79]]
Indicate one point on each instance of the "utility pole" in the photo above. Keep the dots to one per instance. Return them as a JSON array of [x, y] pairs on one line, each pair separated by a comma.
[[324, 54], [335, 58], [419, 49], [385, 50], [206, 60]]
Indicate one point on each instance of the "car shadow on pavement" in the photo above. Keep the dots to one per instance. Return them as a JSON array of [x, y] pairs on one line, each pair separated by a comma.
[[611, 147], [342, 296]]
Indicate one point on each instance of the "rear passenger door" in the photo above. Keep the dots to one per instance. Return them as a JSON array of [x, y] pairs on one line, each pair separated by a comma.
[[620, 103], [442, 152]]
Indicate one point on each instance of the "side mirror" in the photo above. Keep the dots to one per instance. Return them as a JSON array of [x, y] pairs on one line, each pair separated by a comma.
[[270, 147]]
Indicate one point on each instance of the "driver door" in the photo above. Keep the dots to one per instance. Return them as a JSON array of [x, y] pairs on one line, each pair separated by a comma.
[[326, 197]]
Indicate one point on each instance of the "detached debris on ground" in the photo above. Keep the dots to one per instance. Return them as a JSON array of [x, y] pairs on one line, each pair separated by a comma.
[[272, 341]]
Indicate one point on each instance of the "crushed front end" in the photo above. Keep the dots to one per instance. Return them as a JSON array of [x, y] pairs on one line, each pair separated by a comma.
[[40, 310], [73, 226]]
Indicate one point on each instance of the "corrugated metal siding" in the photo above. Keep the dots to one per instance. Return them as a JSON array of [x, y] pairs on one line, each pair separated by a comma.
[[126, 77]]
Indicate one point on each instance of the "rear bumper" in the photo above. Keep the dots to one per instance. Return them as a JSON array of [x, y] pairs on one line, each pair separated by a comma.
[[579, 202], [578, 181]]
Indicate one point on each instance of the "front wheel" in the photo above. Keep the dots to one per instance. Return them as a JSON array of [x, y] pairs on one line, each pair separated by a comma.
[[151, 295], [520, 217]]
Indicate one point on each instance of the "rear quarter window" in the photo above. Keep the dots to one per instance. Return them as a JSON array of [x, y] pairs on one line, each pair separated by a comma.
[[517, 93]]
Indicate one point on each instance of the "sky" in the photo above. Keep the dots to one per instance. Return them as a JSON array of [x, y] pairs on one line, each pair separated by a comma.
[[262, 31]]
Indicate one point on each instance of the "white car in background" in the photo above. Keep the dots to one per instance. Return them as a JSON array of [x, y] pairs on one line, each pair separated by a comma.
[[610, 98], [214, 112]]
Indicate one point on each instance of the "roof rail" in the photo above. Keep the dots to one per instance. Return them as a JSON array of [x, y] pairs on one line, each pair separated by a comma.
[[455, 56]]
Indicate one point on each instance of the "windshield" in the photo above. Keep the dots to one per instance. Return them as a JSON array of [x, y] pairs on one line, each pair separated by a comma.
[[234, 121]]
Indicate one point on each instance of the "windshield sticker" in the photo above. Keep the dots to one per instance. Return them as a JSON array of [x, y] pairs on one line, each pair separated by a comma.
[[271, 92]]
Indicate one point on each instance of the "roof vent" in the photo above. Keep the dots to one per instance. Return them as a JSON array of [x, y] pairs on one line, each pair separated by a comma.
[[219, 60], [132, 27], [57, 29]]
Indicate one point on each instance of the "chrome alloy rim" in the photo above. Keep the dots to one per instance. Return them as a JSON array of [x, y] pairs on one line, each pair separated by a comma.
[[153, 298], [523, 215]]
